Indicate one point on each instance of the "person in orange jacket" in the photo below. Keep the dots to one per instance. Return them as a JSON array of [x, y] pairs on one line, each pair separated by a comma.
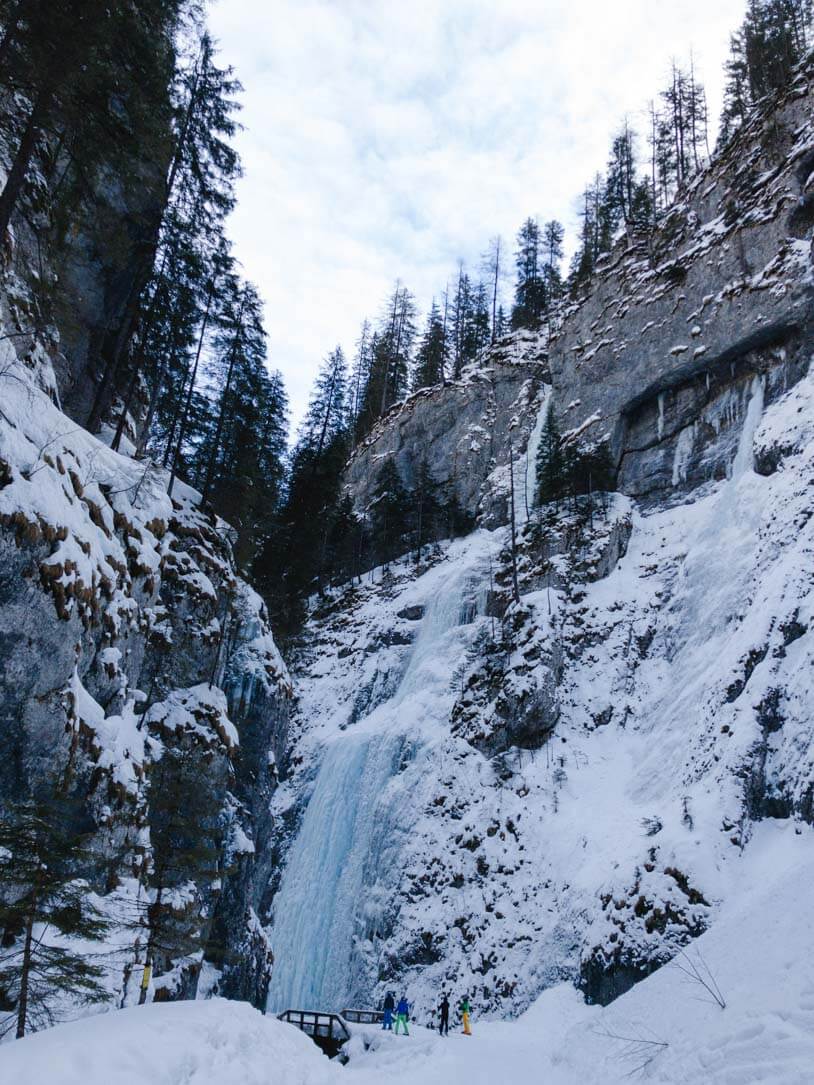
[[465, 1010]]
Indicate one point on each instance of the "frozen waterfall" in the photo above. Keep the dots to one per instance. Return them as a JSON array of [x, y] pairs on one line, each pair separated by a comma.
[[358, 808]]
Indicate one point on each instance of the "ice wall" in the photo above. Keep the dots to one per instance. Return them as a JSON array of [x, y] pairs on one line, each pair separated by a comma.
[[360, 809]]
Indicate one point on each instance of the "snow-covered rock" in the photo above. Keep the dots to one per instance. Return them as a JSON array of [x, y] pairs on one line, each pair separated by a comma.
[[730, 265], [502, 793], [126, 633]]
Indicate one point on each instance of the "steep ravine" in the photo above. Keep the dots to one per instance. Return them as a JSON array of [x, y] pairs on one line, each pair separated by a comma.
[[471, 790]]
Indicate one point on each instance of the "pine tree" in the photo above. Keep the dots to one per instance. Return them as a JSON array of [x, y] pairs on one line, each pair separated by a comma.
[[551, 476], [427, 509], [736, 90], [344, 541], [595, 233], [501, 326], [552, 252], [431, 355], [493, 266], [390, 513], [621, 177], [481, 327], [360, 377], [305, 547], [240, 464], [192, 251], [461, 322], [186, 847], [390, 359], [772, 39], [530, 296], [47, 912], [327, 416]]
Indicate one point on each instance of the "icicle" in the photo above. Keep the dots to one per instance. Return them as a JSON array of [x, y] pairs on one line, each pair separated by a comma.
[[745, 457]]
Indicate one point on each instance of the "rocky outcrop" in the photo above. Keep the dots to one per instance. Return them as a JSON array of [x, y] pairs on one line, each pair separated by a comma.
[[82, 243], [661, 353], [135, 665], [466, 430]]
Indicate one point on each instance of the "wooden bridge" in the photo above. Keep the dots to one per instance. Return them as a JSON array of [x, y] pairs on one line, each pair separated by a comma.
[[328, 1030]]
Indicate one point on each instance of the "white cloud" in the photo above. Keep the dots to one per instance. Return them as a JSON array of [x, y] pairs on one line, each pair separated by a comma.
[[387, 140]]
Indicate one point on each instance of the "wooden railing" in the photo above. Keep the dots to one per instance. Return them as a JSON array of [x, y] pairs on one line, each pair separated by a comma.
[[363, 1017], [328, 1031]]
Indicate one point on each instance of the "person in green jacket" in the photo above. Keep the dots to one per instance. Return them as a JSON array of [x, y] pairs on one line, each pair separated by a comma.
[[402, 1013], [465, 1009]]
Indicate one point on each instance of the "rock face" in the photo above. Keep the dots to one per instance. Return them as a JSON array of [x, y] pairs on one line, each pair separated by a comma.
[[138, 674], [135, 665], [466, 430], [82, 244], [661, 353], [581, 760]]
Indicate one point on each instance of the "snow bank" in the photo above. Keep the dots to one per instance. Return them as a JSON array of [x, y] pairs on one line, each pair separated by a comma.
[[182, 1043], [667, 1029]]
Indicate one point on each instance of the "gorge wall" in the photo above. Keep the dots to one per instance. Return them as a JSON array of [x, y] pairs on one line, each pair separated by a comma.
[[558, 783], [661, 352], [138, 675]]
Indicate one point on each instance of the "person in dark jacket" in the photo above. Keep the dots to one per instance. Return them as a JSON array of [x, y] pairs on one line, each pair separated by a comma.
[[389, 1006], [402, 1011], [443, 1027]]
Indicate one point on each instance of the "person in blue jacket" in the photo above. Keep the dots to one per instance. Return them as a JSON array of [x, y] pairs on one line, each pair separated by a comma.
[[389, 1006], [402, 1012]]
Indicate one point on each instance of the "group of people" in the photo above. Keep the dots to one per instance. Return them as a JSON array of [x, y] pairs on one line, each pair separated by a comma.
[[399, 1014]]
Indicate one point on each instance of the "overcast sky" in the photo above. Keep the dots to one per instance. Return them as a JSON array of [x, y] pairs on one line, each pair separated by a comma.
[[388, 139]]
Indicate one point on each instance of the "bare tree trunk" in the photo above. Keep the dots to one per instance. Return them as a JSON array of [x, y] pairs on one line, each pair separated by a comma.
[[210, 470], [182, 137], [387, 365], [185, 416], [327, 418], [444, 353], [693, 114], [653, 153], [494, 288], [25, 973], [145, 331], [107, 385]]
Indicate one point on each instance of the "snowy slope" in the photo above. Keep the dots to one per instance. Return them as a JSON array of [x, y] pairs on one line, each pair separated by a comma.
[[668, 1026], [758, 952]]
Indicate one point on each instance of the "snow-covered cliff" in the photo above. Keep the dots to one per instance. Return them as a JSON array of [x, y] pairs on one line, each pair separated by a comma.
[[132, 653], [496, 793]]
